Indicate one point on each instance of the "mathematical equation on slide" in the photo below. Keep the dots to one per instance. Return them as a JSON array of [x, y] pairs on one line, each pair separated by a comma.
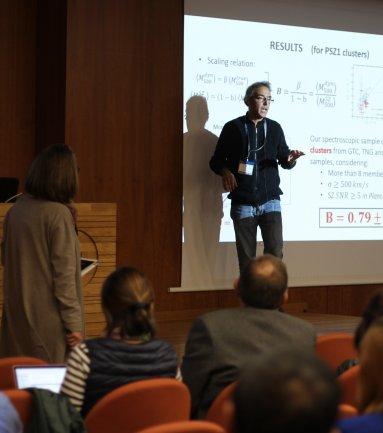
[[324, 93], [350, 217]]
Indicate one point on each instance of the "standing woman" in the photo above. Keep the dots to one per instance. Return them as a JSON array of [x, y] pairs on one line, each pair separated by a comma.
[[42, 311]]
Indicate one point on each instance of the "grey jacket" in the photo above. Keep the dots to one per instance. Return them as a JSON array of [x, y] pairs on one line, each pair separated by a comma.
[[222, 342]]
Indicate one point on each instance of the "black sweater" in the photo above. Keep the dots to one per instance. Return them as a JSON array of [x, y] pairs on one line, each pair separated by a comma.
[[233, 146]]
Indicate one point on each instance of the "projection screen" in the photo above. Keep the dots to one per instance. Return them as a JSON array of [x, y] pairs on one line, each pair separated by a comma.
[[324, 60]]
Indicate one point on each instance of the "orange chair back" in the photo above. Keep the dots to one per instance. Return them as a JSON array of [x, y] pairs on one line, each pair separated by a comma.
[[346, 411], [22, 401], [7, 380], [140, 405], [185, 427], [221, 412], [348, 384], [336, 347]]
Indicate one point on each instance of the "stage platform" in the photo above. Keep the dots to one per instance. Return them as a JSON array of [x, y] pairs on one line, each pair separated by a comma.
[[175, 330]]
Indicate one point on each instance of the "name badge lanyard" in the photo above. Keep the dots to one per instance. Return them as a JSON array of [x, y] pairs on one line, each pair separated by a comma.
[[257, 149], [247, 166]]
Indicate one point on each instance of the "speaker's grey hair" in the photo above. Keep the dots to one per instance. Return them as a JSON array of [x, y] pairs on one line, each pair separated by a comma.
[[255, 86]]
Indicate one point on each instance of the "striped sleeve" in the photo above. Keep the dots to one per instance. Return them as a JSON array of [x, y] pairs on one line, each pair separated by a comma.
[[78, 368], [178, 375]]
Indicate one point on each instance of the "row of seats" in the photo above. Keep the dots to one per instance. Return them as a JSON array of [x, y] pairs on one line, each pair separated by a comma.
[[149, 403], [154, 402], [137, 406], [333, 348]]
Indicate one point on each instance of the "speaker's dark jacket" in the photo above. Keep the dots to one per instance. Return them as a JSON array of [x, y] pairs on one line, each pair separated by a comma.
[[265, 145]]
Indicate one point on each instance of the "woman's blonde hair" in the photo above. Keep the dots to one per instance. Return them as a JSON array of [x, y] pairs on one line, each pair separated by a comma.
[[127, 300], [53, 175], [370, 391]]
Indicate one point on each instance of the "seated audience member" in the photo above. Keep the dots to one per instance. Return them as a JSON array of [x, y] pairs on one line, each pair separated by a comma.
[[128, 352], [220, 343], [370, 384], [286, 392], [9, 418], [373, 311]]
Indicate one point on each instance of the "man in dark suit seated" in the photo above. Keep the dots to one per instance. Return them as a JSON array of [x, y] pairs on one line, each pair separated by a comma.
[[286, 391], [220, 343]]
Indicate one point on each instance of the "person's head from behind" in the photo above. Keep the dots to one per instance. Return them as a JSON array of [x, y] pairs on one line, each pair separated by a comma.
[[370, 384], [263, 283], [286, 392], [53, 175], [373, 311], [127, 301]]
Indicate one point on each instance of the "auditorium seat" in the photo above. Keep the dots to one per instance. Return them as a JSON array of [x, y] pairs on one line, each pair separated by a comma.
[[348, 382], [7, 380], [185, 427], [346, 411], [139, 405], [336, 347], [221, 411]]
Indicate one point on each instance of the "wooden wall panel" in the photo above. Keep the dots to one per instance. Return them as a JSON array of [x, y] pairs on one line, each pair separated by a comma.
[[97, 234], [17, 86], [124, 120], [355, 298], [51, 72], [349, 300]]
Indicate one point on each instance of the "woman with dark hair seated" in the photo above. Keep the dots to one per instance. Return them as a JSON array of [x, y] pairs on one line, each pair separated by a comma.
[[128, 352], [370, 384]]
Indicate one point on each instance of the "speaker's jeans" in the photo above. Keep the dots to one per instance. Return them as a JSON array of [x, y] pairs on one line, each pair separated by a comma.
[[246, 221]]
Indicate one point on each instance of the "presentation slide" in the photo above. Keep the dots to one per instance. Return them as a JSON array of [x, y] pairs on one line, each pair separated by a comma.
[[327, 88], [324, 61]]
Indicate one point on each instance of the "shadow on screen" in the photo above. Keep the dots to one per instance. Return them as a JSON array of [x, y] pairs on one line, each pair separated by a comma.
[[202, 198]]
